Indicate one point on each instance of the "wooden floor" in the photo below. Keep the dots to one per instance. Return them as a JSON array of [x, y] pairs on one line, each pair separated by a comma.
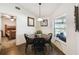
[[10, 48]]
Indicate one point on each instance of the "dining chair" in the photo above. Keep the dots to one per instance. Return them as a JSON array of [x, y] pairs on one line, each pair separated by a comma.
[[28, 41], [49, 39], [39, 45]]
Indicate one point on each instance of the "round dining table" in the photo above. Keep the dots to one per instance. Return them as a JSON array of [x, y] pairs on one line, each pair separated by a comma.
[[32, 36]]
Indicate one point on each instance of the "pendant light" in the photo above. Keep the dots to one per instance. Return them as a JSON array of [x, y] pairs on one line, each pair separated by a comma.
[[39, 18]]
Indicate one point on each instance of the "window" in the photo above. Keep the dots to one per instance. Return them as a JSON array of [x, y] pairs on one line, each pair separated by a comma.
[[60, 28]]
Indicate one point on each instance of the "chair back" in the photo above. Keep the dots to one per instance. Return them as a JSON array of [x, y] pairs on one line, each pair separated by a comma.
[[39, 44], [50, 36], [28, 40]]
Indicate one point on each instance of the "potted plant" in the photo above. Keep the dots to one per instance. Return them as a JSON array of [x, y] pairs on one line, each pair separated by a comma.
[[38, 33]]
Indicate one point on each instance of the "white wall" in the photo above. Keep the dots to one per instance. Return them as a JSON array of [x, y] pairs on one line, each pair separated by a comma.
[[48, 28], [23, 28], [77, 38], [21, 21], [45, 29], [70, 46], [77, 42]]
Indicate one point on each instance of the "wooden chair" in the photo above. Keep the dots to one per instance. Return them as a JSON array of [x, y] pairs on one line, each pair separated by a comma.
[[39, 45], [49, 39], [28, 41]]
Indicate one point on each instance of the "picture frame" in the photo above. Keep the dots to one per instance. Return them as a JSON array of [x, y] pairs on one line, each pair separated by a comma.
[[76, 19], [30, 21], [44, 23]]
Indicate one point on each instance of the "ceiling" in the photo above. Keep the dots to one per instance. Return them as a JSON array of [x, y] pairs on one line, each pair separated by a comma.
[[47, 9]]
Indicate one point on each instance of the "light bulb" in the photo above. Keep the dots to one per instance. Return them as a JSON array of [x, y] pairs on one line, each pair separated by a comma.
[[39, 19], [12, 20]]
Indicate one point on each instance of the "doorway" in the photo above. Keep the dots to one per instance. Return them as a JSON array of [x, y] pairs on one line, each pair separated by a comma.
[[8, 31]]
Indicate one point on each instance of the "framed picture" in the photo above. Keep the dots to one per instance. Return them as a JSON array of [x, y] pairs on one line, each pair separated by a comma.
[[30, 21], [44, 22], [76, 19]]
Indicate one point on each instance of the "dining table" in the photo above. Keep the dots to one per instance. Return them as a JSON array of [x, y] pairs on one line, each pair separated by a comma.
[[33, 36], [38, 42]]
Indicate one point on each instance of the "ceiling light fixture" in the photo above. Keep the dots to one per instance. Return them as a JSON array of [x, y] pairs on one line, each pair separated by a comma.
[[12, 19], [39, 18]]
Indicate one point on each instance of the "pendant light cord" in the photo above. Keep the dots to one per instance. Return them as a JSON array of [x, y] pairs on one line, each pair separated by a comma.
[[39, 17], [39, 9]]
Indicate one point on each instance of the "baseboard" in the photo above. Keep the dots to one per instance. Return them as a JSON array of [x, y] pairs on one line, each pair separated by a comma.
[[20, 44]]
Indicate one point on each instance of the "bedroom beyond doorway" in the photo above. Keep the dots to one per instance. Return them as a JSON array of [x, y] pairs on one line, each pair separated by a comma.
[[8, 29]]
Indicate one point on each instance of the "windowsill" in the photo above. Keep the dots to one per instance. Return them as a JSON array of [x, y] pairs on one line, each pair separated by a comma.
[[60, 41]]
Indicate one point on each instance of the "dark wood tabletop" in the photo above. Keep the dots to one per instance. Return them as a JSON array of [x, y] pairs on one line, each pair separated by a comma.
[[45, 36]]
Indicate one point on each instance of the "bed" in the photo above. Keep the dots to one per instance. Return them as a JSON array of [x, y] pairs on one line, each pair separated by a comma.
[[10, 32]]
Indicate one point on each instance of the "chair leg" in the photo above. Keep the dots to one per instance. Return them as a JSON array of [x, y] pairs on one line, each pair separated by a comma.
[[45, 50], [51, 45], [33, 49], [26, 48]]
